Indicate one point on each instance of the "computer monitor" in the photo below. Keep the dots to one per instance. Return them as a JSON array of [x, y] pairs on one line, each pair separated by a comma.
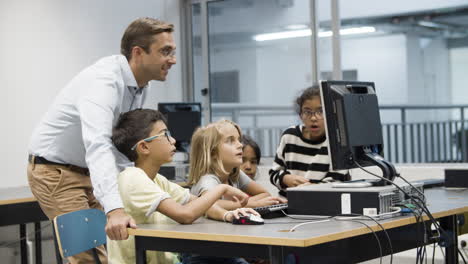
[[353, 127], [182, 120]]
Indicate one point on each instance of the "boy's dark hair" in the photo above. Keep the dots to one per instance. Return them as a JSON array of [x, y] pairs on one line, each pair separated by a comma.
[[306, 94], [132, 127], [141, 33], [248, 141]]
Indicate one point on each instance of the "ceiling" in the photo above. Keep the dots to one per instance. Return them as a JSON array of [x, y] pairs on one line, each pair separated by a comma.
[[448, 23]]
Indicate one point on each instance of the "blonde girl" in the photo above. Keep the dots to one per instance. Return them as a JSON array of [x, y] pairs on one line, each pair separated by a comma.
[[216, 157]]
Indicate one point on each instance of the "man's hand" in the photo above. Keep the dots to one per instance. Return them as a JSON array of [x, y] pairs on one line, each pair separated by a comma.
[[292, 180], [117, 223]]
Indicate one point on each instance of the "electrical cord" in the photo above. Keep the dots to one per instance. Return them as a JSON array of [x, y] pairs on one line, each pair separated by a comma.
[[8, 244], [464, 252], [421, 251], [373, 232], [381, 227], [422, 206], [307, 223], [412, 197], [351, 220], [306, 218]]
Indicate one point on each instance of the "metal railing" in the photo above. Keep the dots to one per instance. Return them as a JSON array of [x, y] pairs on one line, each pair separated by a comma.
[[412, 133]]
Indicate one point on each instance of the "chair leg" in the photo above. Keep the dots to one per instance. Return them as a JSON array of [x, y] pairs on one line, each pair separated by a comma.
[[95, 255], [58, 256]]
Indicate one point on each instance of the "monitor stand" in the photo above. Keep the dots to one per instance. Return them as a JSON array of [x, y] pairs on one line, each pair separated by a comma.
[[388, 172]]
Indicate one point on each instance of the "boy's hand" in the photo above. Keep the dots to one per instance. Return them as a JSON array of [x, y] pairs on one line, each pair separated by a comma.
[[292, 180], [236, 195], [117, 223]]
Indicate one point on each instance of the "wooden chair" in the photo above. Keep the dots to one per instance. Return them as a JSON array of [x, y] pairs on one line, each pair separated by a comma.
[[80, 231]]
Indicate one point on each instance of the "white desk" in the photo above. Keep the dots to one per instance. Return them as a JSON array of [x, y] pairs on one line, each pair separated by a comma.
[[316, 242]]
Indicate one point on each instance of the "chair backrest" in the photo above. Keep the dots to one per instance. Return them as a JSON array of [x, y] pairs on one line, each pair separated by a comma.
[[80, 231]]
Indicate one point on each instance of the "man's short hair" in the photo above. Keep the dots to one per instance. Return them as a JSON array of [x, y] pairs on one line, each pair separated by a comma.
[[141, 33], [132, 127]]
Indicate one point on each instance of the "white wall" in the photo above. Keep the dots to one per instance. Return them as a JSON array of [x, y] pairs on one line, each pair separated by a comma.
[[283, 69], [242, 60], [44, 44]]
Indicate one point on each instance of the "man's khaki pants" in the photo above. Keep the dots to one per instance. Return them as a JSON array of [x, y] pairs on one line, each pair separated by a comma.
[[61, 189]]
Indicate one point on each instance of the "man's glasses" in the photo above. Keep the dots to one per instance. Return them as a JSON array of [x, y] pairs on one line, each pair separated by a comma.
[[148, 139], [309, 114], [168, 52]]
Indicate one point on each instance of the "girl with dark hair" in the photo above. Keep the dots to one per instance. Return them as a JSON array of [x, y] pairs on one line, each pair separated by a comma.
[[302, 155]]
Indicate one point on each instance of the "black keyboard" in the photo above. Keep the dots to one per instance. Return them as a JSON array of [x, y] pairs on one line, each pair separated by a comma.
[[271, 211]]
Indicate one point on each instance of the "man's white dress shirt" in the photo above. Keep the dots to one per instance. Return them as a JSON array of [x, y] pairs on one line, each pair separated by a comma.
[[77, 128]]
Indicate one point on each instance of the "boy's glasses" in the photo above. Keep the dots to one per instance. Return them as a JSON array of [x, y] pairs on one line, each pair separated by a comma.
[[309, 114], [148, 139]]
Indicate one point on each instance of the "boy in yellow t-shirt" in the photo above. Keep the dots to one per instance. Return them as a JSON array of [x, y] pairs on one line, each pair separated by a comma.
[[149, 197]]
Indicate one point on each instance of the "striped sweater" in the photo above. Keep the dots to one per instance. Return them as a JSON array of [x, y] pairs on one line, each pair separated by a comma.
[[300, 156]]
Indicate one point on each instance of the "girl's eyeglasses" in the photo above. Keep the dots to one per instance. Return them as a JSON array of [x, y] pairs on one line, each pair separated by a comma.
[[309, 114], [149, 139]]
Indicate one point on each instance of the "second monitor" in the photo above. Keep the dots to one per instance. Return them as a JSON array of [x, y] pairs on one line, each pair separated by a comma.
[[182, 120]]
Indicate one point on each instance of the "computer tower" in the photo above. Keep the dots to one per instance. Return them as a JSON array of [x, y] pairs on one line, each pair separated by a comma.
[[176, 172], [456, 178], [323, 199]]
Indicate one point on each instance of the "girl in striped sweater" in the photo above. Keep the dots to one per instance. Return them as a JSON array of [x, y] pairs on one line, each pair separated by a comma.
[[302, 154]]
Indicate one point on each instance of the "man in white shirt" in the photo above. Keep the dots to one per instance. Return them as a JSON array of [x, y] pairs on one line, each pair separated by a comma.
[[73, 164]]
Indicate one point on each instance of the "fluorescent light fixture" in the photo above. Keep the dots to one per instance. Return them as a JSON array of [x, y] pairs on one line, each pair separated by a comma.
[[307, 32], [357, 30], [283, 35], [296, 26], [431, 24]]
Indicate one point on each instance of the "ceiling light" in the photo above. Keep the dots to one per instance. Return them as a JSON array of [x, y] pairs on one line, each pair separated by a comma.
[[307, 32], [431, 24], [283, 35], [296, 26]]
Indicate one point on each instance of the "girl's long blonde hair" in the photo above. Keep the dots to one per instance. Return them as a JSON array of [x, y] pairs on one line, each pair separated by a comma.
[[204, 156]]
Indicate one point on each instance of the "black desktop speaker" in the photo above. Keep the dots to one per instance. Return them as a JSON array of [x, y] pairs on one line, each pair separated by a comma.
[[457, 178]]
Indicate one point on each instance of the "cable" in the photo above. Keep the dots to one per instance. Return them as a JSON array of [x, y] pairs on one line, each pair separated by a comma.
[[8, 244], [418, 218], [413, 198], [306, 223], [306, 218], [464, 252], [373, 232], [398, 210], [442, 251], [422, 206], [412, 186], [383, 229], [461, 255]]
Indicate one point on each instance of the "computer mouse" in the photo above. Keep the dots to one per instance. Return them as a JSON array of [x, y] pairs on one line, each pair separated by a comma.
[[249, 219]]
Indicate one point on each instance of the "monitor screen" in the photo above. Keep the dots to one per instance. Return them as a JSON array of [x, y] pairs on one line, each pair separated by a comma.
[[182, 120], [352, 125]]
